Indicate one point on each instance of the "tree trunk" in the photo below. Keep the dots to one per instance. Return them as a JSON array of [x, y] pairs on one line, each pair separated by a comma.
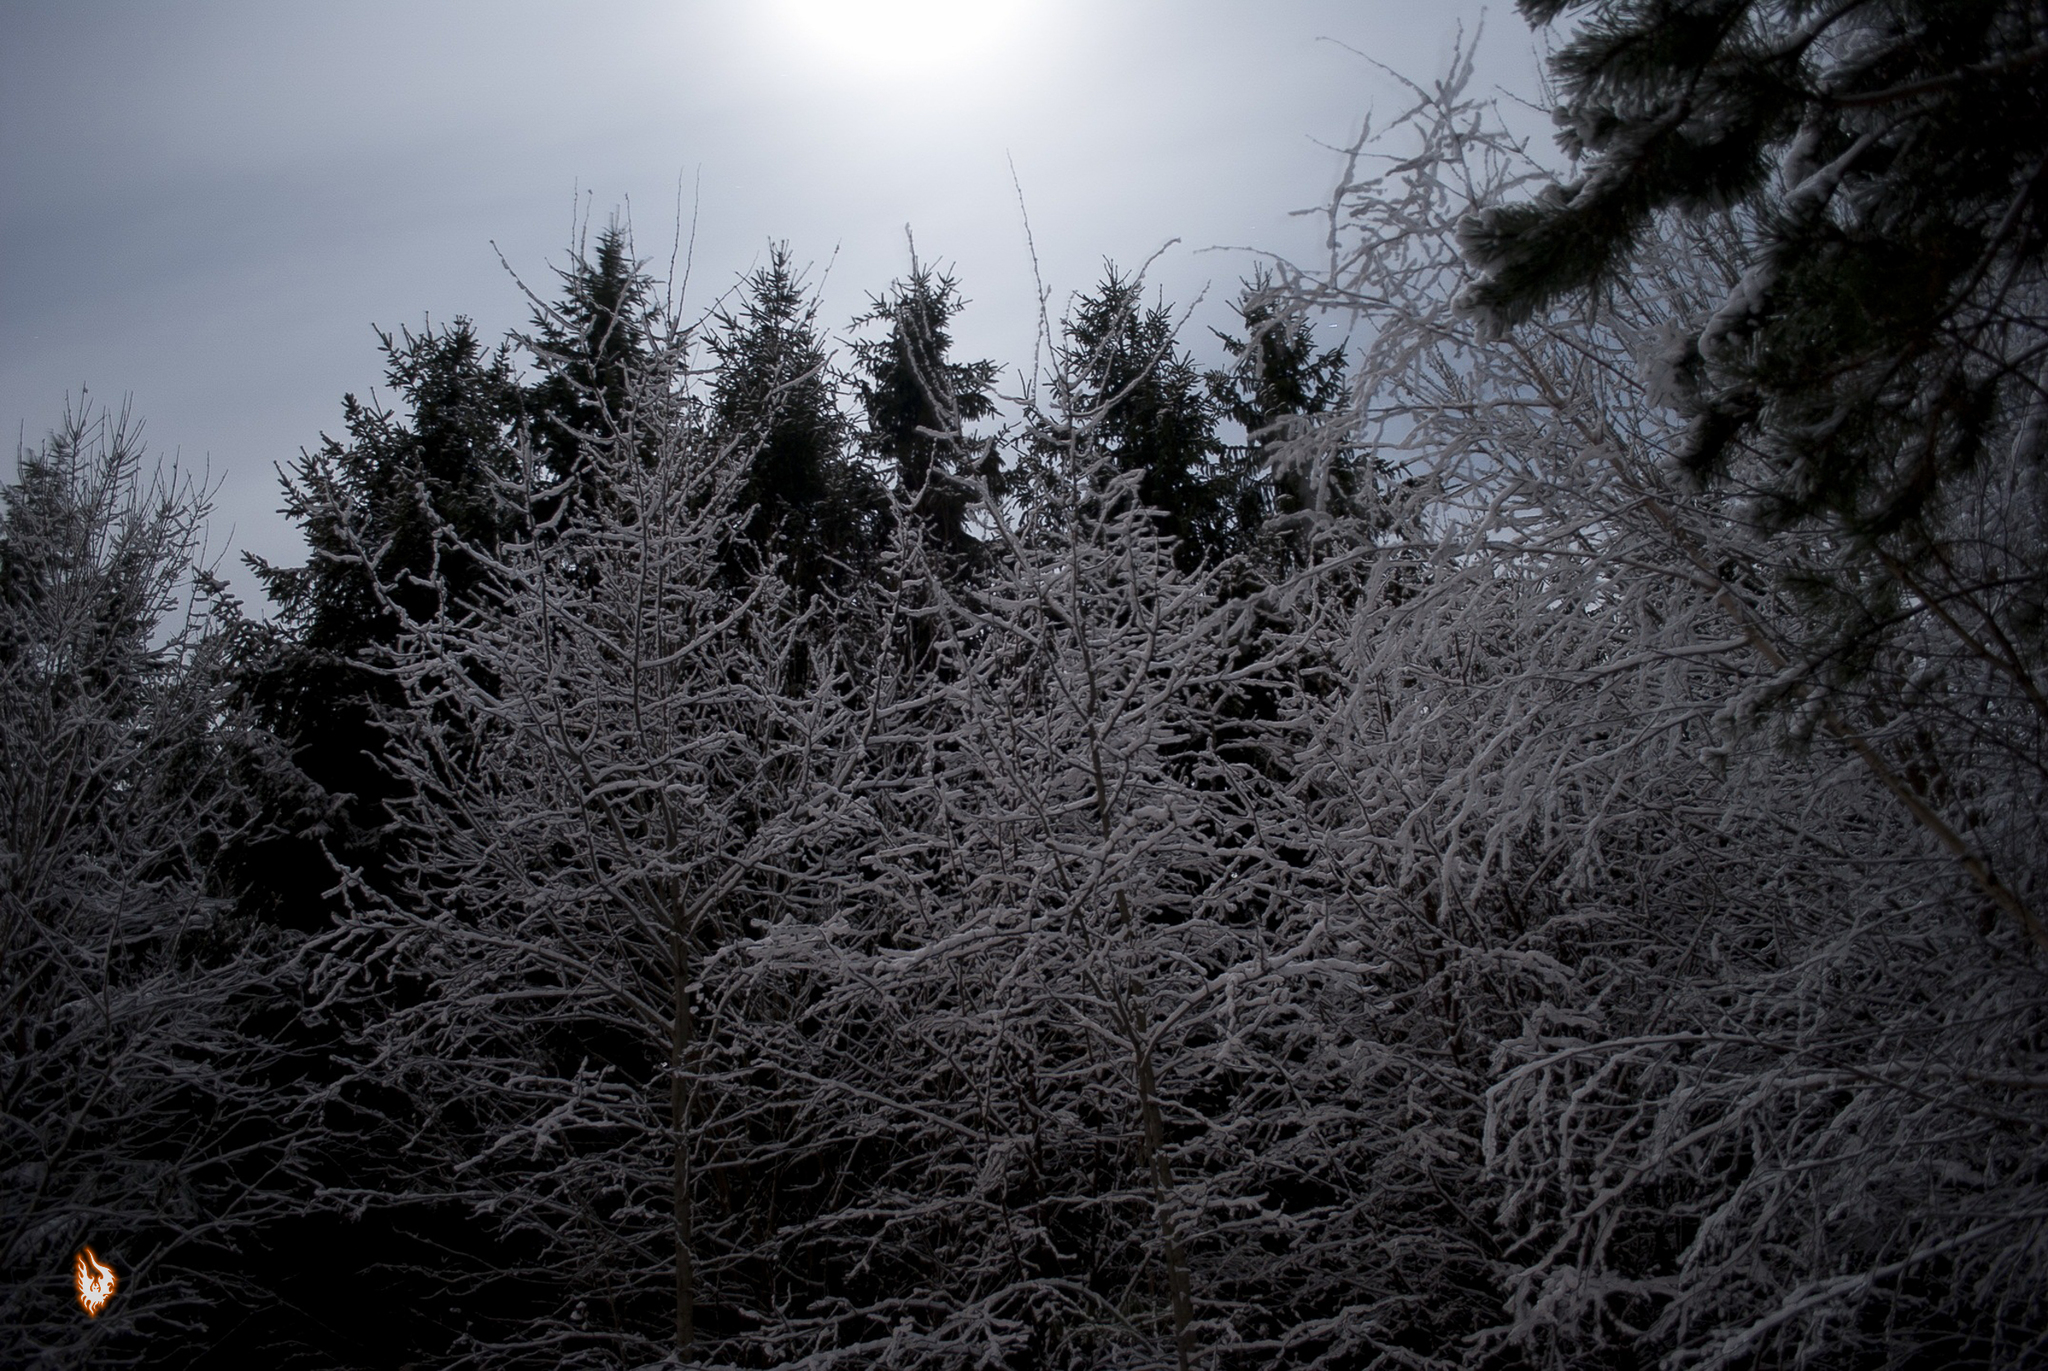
[[1178, 1288], [679, 1110]]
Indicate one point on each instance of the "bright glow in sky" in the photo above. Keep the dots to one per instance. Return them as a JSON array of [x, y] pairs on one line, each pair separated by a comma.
[[899, 37]]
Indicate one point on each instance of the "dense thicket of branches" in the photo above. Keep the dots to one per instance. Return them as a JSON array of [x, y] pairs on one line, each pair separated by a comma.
[[137, 1049], [1429, 884]]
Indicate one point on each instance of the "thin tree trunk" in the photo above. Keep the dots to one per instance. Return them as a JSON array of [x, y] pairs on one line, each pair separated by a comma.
[[684, 1030], [1131, 1009], [1177, 1284]]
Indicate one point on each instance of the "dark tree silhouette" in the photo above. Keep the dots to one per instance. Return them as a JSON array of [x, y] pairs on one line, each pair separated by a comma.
[[1277, 388], [391, 486], [588, 342], [1146, 407], [1886, 161], [775, 399], [917, 401]]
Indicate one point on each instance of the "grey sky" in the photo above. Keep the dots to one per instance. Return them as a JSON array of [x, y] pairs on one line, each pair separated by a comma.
[[206, 206]]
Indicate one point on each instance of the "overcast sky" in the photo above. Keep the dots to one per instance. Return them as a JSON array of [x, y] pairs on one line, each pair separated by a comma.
[[206, 205]]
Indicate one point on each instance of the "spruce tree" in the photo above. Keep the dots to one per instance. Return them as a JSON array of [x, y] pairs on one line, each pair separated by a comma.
[[1278, 385], [588, 342], [1859, 191], [775, 401], [1147, 407], [917, 399], [1883, 163], [399, 478]]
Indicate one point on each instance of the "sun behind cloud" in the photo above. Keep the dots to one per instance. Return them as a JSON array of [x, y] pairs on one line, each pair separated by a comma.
[[900, 37]]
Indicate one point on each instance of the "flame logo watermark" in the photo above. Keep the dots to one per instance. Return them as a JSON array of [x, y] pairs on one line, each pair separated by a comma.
[[96, 1281]]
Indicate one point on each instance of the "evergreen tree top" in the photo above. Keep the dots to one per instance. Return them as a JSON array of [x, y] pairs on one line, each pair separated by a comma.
[[918, 401], [773, 364], [589, 342], [906, 376], [1278, 373], [1137, 400], [775, 402], [1882, 166], [605, 304]]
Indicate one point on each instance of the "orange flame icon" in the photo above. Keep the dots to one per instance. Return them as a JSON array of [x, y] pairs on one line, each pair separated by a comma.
[[95, 1282]]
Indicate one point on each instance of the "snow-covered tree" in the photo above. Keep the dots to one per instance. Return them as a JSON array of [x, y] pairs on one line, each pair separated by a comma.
[[603, 773], [137, 1094], [1080, 1070], [1757, 1083]]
